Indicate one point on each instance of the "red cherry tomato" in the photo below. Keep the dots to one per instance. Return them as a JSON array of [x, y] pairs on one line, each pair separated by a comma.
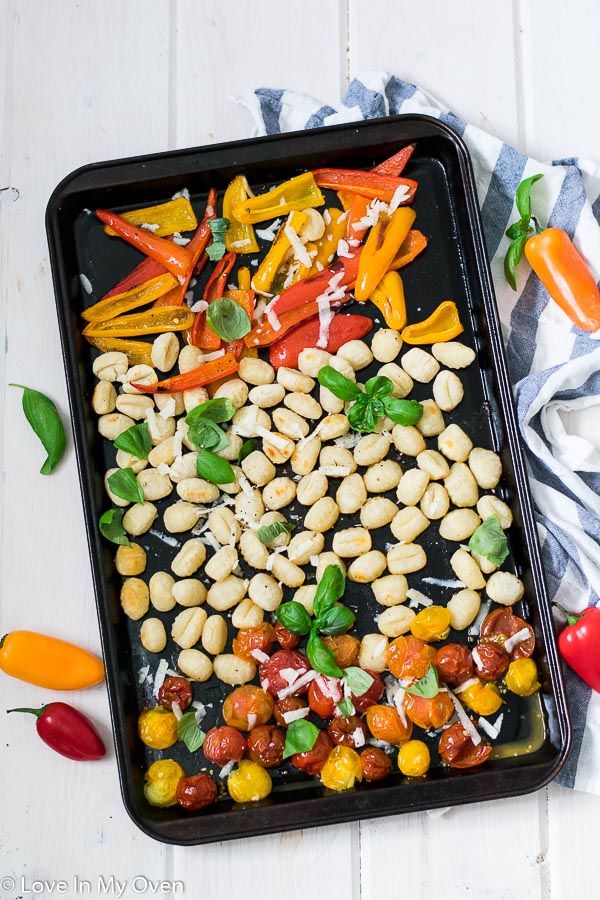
[[312, 761], [457, 748], [286, 661], [323, 694]]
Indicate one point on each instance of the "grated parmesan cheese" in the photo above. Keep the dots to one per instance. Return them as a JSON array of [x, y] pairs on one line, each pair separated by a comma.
[[400, 195], [292, 715], [271, 315], [237, 244], [343, 249], [176, 710], [441, 582], [268, 234], [142, 674], [465, 720], [227, 769], [325, 320], [417, 598], [300, 682], [259, 655], [199, 306], [511, 642], [165, 538], [489, 729], [159, 677], [270, 438], [85, 283], [168, 410]]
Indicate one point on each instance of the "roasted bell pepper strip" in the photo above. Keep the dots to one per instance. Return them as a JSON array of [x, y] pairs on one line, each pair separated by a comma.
[[122, 303], [202, 335], [174, 258], [384, 241], [244, 278], [442, 325], [143, 272], [413, 244], [388, 297], [240, 237], [367, 184], [394, 165], [66, 730], [303, 271], [171, 217], [327, 246], [304, 291], [343, 328], [270, 265], [152, 321], [578, 644], [346, 199], [137, 352], [264, 334], [298, 193], [48, 662], [204, 374], [245, 299]]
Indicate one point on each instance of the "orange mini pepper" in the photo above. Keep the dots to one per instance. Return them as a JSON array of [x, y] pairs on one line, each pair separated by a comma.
[[48, 662], [384, 241], [413, 244], [204, 374], [442, 325], [394, 165], [367, 184]]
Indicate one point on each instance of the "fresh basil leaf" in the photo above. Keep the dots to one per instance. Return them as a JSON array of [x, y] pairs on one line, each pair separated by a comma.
[[336, 620], [268, 533], [216, 251], [428, 686], [228, 319], [404, 412], [362, 415], [125, 485], [206, 435], [219, 410], [358, 680], [512, 259], [294, 617], [489, 540], [111, 526], [329, 590], [523, 198], [219, 228], [380, 386], [246, 449], [300, 737], [515, 230], [214, 468], [321, 658], [190, 732], [136, 440], [42, 414], [338, 384], [346, 708]]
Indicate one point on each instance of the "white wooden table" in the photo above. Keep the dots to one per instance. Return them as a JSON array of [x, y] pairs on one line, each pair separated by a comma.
[[81, 82]]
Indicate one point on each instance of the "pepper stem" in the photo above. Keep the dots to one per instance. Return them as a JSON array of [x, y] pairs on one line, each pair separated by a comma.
[[571, 619], [36, 712]]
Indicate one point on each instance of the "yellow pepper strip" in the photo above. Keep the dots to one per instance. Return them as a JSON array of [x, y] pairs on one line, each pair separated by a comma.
[[346, 199], [380, 249], [240, 238], [138, 296], [151, 321], [174, 216], [388, 297], [442, 325], [303, 271], [298, 193], [327, 246], [137, 352], [268, 268], [244, 278]]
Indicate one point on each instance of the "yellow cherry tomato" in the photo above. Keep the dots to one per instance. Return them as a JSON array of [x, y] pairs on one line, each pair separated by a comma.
[[522, 677], [158, 728], [342, 769], [414, 758], [162, 779], [431, 624], [249, 782], [483, 698]]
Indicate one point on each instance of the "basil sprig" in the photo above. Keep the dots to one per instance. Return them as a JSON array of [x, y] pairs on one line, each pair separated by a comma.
[[190, 732], [358, 680], [346, 707], [246, 449], [428, 686], [489, 540], [228, 319], [300, 737], [520, 232], [372, 403], [219, 409], [268, 533], [214, 468], [125, 485], [203, 420], [136, 440], [111, 526], [42, 414], [218, 228]]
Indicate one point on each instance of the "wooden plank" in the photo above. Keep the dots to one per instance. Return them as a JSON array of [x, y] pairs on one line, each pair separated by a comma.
[[224, 52], [572, 842], [426, 44]]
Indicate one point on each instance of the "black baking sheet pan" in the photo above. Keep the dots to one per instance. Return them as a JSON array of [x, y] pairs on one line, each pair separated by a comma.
[[535, 734]]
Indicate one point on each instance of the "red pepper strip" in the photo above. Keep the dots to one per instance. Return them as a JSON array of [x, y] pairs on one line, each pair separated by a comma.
[[264, 334], [578, 644], [196, 246], [284, 352], [202, 335], [393, 165], [176, 259], [143, 272], [367, 184], [67, 731], [413, 244], [304, 291], [204, 374]]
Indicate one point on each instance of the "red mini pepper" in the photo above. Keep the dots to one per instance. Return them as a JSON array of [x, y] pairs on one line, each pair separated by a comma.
[[393, 165], [303, 292], [202, 334], [367, 184], [264, 334], [204, 374], [174, 258], [143, 272], [579, 643], [67, 731], [344, 328]]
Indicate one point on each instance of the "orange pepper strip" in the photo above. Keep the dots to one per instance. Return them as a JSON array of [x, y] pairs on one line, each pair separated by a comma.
[[174, 258], [245, 299], [122, 303], [367, 184], [394, 165], [442, 325], [152, 321], [48, 662], [384, 241], [204, 374], [413, 244], [137, 352]]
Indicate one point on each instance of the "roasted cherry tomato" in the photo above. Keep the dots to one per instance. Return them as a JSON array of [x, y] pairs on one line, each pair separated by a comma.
[[287, 639], [157, 728], [345, 648], [161, 781], [429, 713], [249, 782], [247, 639], [454, 663], [270, 675], [342, 769], [414, 759], [373, 693], [312, 761], [376, 765], [348, 731], [175, 690], [491, 660], [482, 697], [431, 624], [385, 724], [247, 706], [522, 677], [323, 694], [223, 744], [458, 750], [502, 624], [409, 657], [196, 791], [265, 745], [288, 704]]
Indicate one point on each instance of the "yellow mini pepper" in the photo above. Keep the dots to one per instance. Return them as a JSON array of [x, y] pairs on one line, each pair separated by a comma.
[[388, 297], [152, 321], [442, 325], [137, 352], [240, 237], [298, 193], [272, 262], [327, 245], [125, 302], [171, 217]]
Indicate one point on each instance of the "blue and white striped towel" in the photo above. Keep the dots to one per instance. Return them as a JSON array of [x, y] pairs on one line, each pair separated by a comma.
[[554, 367]]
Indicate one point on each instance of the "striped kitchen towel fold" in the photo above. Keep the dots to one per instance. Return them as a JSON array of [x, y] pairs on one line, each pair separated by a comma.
[[554, 367]]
